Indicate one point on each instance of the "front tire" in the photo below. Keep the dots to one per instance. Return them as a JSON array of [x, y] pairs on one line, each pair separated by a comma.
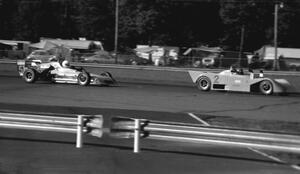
[[29, 76], [266, 87], [204, 83], [83, 79]]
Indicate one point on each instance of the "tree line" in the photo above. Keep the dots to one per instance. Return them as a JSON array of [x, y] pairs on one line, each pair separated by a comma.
[[183, 23]]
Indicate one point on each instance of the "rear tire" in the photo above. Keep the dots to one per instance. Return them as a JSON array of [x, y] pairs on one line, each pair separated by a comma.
[[266, 87], [83, 79], [29, 76], [204, 83]]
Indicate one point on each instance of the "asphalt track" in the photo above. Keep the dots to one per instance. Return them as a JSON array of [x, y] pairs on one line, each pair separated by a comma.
[[152, 98], [38, 152]]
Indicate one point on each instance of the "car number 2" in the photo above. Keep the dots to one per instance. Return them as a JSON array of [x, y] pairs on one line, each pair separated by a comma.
[[216, 79]]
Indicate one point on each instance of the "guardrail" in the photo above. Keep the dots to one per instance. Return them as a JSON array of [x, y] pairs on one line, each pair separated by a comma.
[[188, 133], [122, 127], [79, 124]]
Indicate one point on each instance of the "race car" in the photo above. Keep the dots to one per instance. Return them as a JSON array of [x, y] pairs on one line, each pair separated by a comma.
[[54, 71], [229, 80]]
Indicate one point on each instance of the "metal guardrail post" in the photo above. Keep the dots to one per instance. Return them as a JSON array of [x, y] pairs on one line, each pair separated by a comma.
[[79, 131], [137, 134], [83, 124]]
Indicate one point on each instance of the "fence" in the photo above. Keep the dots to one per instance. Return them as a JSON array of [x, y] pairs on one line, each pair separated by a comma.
[[140, 128]]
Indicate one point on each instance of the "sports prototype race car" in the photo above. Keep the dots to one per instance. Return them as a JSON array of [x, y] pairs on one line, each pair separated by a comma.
[[54, 71], [229, 80]]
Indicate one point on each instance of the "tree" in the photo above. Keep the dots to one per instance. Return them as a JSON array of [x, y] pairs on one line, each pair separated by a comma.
[[251, 15], [176, 23], [95, 20], [138, 21], [258, 18], [288, 28], [182, 23], [7, 11], [42, 18]]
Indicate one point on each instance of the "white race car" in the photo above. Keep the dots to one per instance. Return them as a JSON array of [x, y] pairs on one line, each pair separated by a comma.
[[32, 70], [229, 80]]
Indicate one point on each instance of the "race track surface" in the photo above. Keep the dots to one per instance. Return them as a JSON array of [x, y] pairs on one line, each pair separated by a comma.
[[39, 152], [152, 98]]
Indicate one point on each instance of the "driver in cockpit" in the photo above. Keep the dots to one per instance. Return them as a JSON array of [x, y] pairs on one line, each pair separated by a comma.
[[233, 70], [65, 64]]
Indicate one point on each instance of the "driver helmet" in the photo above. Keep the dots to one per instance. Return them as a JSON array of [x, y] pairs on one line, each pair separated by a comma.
[[233, 69], [65, 64]]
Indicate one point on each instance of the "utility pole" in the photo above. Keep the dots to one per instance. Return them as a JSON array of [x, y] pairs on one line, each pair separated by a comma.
[[275, 36], [116, 30], [241, 44], [276, 8]]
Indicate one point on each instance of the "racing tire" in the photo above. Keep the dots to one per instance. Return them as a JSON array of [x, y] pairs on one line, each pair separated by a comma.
[[30, 76], [83, 79], [204, 83], [266, 87]]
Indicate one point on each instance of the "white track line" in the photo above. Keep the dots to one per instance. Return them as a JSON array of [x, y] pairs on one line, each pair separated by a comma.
[[266, 155], [252, 149], [296, 167], [198, 119]]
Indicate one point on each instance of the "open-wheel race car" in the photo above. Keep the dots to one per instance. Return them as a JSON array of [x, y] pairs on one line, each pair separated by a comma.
[[229, 80], [54, 71]]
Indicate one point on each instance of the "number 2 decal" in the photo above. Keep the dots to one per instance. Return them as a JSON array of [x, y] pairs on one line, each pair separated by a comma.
[[216, 77]]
